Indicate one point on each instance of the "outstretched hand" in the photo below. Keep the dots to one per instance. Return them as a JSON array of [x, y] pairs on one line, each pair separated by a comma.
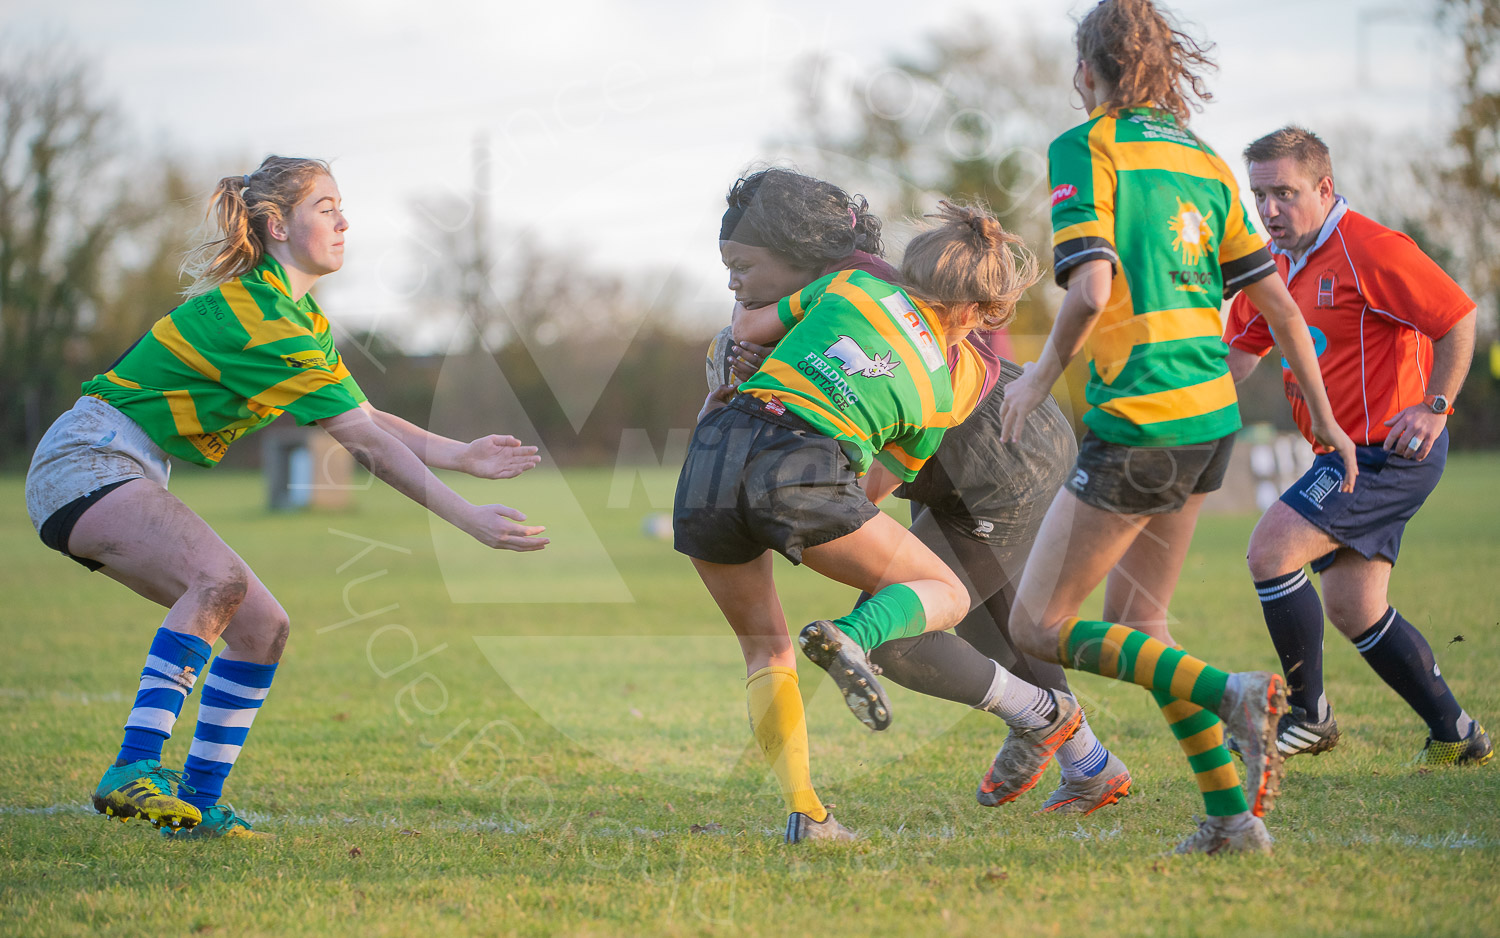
[[497, 526], [498, 457]]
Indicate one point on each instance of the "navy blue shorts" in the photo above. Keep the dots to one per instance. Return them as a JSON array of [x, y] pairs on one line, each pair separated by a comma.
[[1389, 490]]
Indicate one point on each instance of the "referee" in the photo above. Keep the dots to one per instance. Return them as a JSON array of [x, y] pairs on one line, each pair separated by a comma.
[[1395, 336]]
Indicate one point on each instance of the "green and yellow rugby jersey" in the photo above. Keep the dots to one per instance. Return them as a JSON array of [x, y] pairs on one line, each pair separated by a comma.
[[229, 362], [1164, 210], [865, 365]]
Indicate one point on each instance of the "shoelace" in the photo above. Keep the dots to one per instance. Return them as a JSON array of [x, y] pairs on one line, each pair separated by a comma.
[[166, 778]]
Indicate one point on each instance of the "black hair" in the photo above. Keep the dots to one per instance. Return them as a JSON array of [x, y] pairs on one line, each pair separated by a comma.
[[807, 222]]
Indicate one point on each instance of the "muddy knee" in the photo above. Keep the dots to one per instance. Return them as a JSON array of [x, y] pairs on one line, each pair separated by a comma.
[[220, 593]]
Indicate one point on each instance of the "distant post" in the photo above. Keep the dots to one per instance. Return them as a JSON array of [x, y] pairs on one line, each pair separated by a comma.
[[305, 468]]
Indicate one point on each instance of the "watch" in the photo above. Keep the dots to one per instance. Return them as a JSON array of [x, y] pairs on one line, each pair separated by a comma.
[[1437, 403]]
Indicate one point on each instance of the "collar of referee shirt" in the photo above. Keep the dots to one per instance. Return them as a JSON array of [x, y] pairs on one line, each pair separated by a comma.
[[1335, 215]]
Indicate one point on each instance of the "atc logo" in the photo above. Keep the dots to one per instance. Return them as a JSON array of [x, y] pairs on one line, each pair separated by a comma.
[[1063, 193], [1194, 237]]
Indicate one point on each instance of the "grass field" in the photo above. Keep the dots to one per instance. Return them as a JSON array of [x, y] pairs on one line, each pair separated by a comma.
[[471, 743]]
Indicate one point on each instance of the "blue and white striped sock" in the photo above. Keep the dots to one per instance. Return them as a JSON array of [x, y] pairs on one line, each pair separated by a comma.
[[172, 667], [232, 694], [1083, 756]]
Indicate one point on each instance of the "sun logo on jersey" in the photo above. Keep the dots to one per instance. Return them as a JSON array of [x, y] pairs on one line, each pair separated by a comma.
[[1192, 231]]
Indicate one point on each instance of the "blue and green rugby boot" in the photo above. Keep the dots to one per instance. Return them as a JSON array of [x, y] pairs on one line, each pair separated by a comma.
[[143, 789], [219, 820]]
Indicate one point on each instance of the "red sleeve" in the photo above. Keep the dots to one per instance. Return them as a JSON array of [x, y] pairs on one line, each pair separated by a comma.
[[1246, 329], [1401, 283]]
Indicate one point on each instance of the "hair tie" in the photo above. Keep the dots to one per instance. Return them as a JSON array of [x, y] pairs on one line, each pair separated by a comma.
[[245, 181], [853, 218]]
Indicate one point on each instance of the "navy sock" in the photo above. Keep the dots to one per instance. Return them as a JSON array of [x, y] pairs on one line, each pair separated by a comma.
[[1401, 656], [1294, 617], [172, 668]]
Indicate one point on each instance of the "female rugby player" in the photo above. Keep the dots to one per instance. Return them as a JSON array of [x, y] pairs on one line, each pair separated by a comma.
[[249, 343]]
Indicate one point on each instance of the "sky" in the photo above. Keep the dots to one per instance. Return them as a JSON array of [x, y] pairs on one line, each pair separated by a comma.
[[614, 129]]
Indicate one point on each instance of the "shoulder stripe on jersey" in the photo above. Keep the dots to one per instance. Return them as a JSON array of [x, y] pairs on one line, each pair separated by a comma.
[[1101, 137], [881, 322], [1192, 401], [166, 332], [1364, 392], [259, 329]]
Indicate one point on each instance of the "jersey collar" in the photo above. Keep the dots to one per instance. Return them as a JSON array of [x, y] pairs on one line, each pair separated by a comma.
[[270, 272], [1335, 215]]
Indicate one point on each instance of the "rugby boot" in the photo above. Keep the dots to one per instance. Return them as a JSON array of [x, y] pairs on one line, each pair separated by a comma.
[[1218, 836], [1024, 756], [143, 789], [1088, 794], [1296, 735], [826, 646], [1251, 710], [219, 820], [800, 827], [1474, 749]]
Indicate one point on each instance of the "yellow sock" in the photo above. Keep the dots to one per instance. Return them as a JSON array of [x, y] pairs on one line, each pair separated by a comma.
[[780, 726]]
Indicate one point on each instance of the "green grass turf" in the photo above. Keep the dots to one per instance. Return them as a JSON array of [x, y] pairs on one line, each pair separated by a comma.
[[569, 754]]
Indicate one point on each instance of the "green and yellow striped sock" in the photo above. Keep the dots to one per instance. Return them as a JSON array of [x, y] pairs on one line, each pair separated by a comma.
[[1127, 654], [1201, 736]]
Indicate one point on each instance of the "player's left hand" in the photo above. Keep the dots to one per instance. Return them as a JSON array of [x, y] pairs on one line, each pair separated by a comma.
[[497, 457], [747, 357], [1413, 431], [1022, 396]]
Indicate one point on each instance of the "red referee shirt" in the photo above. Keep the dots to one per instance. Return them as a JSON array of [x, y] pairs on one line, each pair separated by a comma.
[[1374, 303]]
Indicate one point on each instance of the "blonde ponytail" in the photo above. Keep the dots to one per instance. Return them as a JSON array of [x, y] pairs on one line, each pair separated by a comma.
[[239, 210]]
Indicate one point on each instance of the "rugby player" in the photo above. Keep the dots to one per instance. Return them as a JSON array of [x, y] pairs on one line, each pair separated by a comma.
[[1395, 337], [248, 344], [977, 504], [860, 375], [1149, 234]]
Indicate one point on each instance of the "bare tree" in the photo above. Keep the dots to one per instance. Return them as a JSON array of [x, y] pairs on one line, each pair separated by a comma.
[[61, 209]]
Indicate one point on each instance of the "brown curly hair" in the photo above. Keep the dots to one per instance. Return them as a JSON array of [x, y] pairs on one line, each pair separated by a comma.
[[1144, 58]]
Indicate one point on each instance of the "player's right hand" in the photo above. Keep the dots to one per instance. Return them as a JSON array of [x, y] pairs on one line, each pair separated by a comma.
[[1022, 396], [1334, 438], [497, 526]]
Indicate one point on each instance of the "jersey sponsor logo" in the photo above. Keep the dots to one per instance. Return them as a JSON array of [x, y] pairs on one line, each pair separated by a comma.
[[306, 360], [1320, 345], [1194, 237], [825, 376], [1326, 282], [1158, 130], [855, 361], [1063, 193], [1191, 281], [906, 315], [1327, 481]]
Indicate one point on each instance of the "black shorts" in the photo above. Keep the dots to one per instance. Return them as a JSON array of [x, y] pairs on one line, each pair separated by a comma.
[[1147, 480], [755, 481], [1387, 493]]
